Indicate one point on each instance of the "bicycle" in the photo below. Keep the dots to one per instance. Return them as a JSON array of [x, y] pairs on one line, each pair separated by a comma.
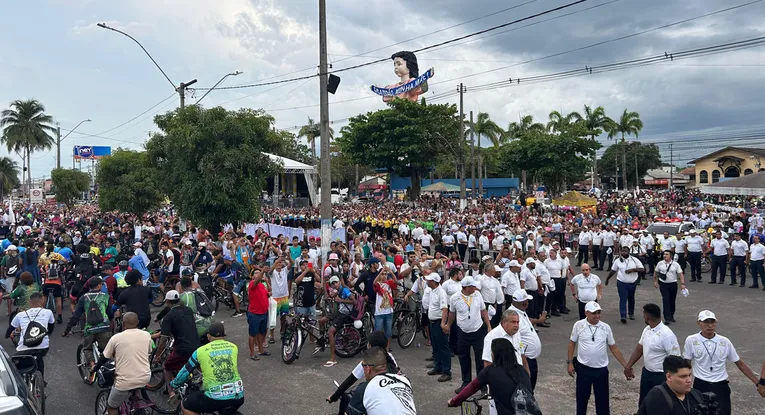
[[409, 324], [706, 264], [349, 341], [194, 384], [138, 403], [157, 380], [33, 380], [82, 362], [223, 295], [472, 405]]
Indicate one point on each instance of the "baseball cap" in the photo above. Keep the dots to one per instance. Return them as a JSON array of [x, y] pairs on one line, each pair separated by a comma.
[[371, 261], [469, 282], [520, 295], [172, 295], [706, 315], [137, 244], [203, 244], [693, 230], [187, 271], [529, 260], [11, 248], [592, 307], [217, 330], [514, 263], [334, 278], [332, 256], [227, 257], [433, 276]]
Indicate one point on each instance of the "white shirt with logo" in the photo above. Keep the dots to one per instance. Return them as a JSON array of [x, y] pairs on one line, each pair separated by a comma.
[[658, 343], [592, 343], [709, 356]]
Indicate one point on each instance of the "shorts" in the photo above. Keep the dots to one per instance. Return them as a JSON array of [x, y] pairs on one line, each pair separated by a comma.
[[282, 306], [116, 398], [7, 284], [54, 288], [257, 323], [306, 311], [238, 287], [340, 319], [201, 403], [384, 322], [175, 362]]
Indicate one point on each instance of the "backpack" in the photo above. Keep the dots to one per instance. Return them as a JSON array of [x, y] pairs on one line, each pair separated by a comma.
[[204, 307], [35, 332], [93, 313], [671, 404], [523, 401], [205, 282]]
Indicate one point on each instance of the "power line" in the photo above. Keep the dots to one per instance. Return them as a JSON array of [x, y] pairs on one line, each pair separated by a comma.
[[132, 119]]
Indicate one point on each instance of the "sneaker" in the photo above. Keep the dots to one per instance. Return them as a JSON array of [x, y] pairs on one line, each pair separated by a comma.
[[632, 317], [444, 378], [59, 319], [624, 320], [458, 390], [429, 359], [237, 314], [433, 372], [430, 365]]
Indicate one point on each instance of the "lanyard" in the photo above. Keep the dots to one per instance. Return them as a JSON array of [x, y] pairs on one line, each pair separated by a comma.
[[593, 332], [469, 303], [711, 355]]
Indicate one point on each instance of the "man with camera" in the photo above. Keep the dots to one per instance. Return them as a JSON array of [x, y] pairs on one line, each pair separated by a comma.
[[674, 396], [665, 278]]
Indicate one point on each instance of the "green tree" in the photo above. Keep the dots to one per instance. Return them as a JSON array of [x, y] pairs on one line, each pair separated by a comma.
[[485, 127], [628, 124], [558, 122], [127, 182], [69, 184], [211, 162], [310, 132], [595, 121], [9, 175], [287, 145], [554, 160], [523, 127], [27, 128], [407, 138], [645, 156]]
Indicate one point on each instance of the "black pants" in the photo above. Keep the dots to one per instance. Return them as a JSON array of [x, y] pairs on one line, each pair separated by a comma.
[[596, 256], [581, 309], [497, 315], [534, 304], [442, 356], [533, 369], [719, 262], [462, 248], [647, 381], [583, 256], [668, 292], [589, 379], [737, 264], [559, 295], [694, 260], [605, 255], [453, 337], [650, 263], [757, 270], [721, 389], [682, 260], [465, 342]]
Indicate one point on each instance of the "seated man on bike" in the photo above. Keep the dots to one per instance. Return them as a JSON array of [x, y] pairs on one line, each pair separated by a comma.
[[52, 273], [341, 315], [197, 301], [10, 268], [27, 286], [231, 277], [130, 351], [138, 263], [172, 263], [31, 343], [136, 298], [120, 277], [94, 305], [203, 278], [222, 388], [383, 392], [189, 275], [179, 324]]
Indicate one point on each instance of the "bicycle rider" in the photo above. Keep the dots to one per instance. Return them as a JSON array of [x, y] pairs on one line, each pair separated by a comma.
[[178, 324], [222, 387], [383, 392], [340, 316], [136, 298], [21, 322], [52, 271], [98, 316], [130, 351], [230, 274]]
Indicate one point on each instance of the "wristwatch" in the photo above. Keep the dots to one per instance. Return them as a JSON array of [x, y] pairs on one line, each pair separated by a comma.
[[568, 362]]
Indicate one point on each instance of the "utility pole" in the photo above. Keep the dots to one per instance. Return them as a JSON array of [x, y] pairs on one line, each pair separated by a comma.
[[637, 179], [59, 139], [671, 167], [472, 154], [616, 175], [326, 177], [182, 91], [463, 191]]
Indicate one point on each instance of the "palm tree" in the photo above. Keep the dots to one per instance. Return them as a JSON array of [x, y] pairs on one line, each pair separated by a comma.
[[628, 124], [9, 175], [523, 127], [484, 126], [27, 129], [558, 122], [595, 121], [310, 131]]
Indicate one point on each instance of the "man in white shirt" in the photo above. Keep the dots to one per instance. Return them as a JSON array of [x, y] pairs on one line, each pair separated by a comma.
[[591, 338], [586, 287], [448, 242], [462, 243], [472, 242], [597, 241], [507, 329], [491, 291], [665, 278], [627, 269], [452, 286], [585, 246], [531, 282], [438, 315], [532, 346], [738, 248], [755, 258], [23, 319], [709, 353], [469, 311], [555, 266], [426, 240], [648, 244], [510, 280], [694, 246], [544, 294], [655, 344], [607, 248], [720, 249], [418, 232], [483, 242]]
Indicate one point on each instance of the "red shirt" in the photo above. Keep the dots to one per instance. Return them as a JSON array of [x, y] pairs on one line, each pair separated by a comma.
[[258, 297]]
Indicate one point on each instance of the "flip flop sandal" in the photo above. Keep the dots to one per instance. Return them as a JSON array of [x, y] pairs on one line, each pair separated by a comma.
[[329, 363], [271, 341], [256, 358], [264, 354]]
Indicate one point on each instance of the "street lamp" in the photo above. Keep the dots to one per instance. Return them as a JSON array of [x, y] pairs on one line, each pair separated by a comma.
[[181, 89], [218, 83], [59, 139]]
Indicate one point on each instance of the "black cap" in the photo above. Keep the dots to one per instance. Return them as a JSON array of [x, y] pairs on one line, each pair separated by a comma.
[[217, 330], [95, 282]]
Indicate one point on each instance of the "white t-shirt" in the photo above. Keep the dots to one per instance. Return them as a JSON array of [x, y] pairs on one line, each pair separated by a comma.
[[529, 279], [451, 287], [438, 301], [448, 240], [694, 243], [757, 252], [739, 248], [554, 267], [279, 283], [719, 246], [500, 333], [592, 343], [586, 288], [709, 356], [608, 238], [658, 343], [426, 240], [389, 394], [585, 237], [43, 316], [491, 290], [510, 282], [358, 371], [672, 269], [386, 308], [467, 310], [621, 265], [529, 337]]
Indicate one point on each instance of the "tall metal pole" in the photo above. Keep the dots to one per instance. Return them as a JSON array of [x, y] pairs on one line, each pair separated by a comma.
[[326, 177], [616, 174], [463, 190], [472, 155], [672, 167], [637, 179], [58, 147]]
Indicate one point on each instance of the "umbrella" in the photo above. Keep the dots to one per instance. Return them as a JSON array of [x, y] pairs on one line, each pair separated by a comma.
[[440, 187]]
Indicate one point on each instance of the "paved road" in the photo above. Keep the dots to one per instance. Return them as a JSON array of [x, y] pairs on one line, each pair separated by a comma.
[[273, 387]]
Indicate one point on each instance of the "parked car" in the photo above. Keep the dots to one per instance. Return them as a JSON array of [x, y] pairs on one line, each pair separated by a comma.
[[15, 396], [672, 228]]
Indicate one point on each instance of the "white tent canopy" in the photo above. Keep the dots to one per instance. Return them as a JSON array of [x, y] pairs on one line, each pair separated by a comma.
[[294, 167], [750, 185]]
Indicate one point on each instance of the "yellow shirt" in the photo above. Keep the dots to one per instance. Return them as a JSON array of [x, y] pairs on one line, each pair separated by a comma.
[[374, 222], [386, 223], [95, 251]]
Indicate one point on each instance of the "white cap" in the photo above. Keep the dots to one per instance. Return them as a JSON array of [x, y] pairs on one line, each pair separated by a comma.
[[592, 307], [514, 263], [555, 243], [707, 315], [202, 244], [188, 242], [568, 250], [468, 281], [333, 256], [433, 276], [529, 260], [486, 258], [172, 295], [497, 268], [11, 248], [334, 278], [520, 295], [137, 244], [693, 230]]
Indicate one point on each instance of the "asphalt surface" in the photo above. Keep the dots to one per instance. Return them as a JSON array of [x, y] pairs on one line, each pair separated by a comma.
[[273, 387]]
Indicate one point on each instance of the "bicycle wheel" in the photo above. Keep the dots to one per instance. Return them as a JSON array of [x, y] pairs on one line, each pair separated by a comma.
[[82, 365], [157, 380], [347, 342], [38, 391], [369, 324], [102, 408], [157, 297], [706, 265], [290, 345], [407, 330]]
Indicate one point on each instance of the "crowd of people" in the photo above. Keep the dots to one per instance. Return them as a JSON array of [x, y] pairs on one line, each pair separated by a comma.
[[488, 279]]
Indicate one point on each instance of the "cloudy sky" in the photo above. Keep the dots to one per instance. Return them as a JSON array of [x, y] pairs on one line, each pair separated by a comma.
[[54, 52]]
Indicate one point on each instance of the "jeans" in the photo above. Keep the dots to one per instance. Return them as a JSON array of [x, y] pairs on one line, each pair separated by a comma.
[[466, 341], [587, 380], [626, 298], [737, 264], [309, 311], [694, 259], [719, 262], [668, 292], [757, 270], [384, 322], [647, 381], [442, 356]]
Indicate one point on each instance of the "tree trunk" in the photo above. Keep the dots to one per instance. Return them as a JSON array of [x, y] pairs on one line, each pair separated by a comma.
[[624, 164], [29, 174], [313, 151], [595, 166], [415, 184], [480, 168]]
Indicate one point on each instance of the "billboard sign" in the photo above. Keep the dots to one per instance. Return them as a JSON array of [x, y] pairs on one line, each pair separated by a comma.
[[91, 152], [37, 195]]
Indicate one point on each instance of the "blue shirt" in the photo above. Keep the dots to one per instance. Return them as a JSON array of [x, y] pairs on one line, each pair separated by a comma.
[[65, 252], [136, 263]]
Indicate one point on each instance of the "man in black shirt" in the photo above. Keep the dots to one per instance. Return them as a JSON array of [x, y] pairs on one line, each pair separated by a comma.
[[178, 324], [368, 279], [136, 298], [305, 295], [675, 396]]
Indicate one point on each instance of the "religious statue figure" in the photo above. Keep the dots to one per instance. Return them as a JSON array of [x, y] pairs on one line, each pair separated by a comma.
[[411, 84]]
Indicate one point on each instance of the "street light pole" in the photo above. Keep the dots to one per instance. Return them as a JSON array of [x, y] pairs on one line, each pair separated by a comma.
[[59, 139], [326, 177], [218, 83]]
